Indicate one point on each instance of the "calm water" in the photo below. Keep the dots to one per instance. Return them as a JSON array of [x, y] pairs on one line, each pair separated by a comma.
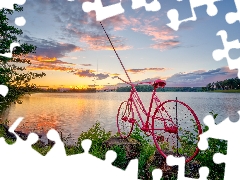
[[77, 112]]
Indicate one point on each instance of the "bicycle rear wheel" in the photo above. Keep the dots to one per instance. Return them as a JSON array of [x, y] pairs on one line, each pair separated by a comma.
[[125, 119], [176, 129]]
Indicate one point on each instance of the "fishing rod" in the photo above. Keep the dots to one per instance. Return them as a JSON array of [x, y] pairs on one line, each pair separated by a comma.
[[116, 54]]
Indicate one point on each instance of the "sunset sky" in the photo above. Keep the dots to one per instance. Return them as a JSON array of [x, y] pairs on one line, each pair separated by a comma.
[[73, 50]]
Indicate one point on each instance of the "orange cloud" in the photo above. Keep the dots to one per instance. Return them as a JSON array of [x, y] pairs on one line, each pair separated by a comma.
[[115, 74], [45, 59], [79, 72], [49, 67], [76, 49], [146, 69]]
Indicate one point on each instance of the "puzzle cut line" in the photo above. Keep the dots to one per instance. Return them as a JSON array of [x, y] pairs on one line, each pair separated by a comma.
[[66, 166], [232, 137], [173, 14], [19, 21], [219, 54]]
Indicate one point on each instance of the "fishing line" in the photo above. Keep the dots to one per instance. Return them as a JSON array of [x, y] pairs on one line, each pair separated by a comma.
[[116, 53]]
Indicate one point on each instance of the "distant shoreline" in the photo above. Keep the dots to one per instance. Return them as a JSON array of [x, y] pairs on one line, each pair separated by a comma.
[[216, 91], [226, 91], [128, 90]]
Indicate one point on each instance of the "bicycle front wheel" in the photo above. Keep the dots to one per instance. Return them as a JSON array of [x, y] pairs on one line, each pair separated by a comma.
[[176, 130], [125, 119]]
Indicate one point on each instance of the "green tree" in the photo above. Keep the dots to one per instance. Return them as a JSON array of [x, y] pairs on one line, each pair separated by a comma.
[[13, 70]]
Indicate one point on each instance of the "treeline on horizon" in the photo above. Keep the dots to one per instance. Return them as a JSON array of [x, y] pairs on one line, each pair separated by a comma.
[[227, 84], [149, 88], [66, 91]]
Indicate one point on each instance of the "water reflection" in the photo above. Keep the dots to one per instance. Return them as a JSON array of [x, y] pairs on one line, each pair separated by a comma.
[[77, 112]]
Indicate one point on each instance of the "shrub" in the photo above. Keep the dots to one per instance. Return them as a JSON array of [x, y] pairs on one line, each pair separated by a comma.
[[216, 171], [97, 135], [146, 151]]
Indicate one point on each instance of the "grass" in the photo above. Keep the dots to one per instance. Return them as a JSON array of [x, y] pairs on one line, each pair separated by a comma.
[[98, 135]]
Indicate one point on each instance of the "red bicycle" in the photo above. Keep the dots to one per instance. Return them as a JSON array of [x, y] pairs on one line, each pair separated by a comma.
[[173, 125]]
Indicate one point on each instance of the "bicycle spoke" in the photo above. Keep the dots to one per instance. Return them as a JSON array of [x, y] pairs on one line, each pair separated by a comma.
[[177, 124]]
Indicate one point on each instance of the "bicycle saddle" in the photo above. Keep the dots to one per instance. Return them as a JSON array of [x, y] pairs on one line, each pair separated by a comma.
[[159, 83]]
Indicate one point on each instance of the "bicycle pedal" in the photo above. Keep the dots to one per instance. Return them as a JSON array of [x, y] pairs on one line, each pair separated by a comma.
[[125, 119], [132, 120]]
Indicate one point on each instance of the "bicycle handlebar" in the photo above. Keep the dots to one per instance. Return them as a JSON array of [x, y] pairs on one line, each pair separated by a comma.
[[124, 81]]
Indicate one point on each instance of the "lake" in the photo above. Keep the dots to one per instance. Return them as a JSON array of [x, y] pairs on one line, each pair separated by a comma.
[[72, 113]]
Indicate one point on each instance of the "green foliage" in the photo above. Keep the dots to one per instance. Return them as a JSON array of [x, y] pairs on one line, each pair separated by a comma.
[[227, 84], [146, 151], [13, 70], [3, 134], [139, 136], [97, 135], [188, 139], [43, 150], [214, 117], [5, 122], [2, 131], [206, 157], [121, 160]]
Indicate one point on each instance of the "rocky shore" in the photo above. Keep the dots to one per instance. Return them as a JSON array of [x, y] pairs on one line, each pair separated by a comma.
[[6, 134]]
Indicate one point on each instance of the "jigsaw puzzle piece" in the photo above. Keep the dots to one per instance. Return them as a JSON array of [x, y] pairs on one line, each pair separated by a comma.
[[153, 6], [86, 145], [216, 131], [9, 4], [68, 167], [232, 158], [86, 162], [173, 14], [15, 125], [203, 142], [103, 12], [110, 156], [157, 174], [25, 147], [58, 148], [20, 21], [12, 46], [219, 158], [180, 162], [232, 17], [219, 54], [131, 171], [3, 90], [89, 162]]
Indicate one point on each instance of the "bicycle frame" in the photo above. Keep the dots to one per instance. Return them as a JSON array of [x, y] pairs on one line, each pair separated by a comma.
[[135, 99]]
